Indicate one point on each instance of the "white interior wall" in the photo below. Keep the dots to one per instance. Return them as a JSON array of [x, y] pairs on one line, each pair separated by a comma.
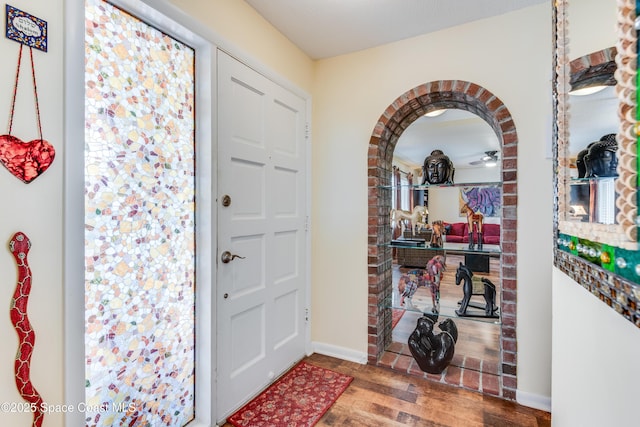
[[595, 350], [595, 360], [351, 92], [248, 36], [36, 210]]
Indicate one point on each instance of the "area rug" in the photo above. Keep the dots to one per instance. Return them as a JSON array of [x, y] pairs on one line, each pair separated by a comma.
[[396, 315], [298, 399]]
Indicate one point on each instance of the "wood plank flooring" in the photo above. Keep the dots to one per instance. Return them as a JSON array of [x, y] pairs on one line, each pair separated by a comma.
[[380, 397]]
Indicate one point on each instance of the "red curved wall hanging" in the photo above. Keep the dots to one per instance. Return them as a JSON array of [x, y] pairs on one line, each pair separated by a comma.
[[19, 246]]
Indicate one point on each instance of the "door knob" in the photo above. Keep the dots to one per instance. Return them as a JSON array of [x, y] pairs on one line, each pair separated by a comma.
[[228, 256]]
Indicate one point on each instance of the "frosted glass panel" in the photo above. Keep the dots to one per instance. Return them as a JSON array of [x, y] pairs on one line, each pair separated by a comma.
[[140, 222]]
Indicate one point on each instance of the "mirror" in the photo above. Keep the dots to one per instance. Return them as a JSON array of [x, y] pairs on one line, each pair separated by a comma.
[[597, 216], [600, 209], [592, 139], [474, 150]]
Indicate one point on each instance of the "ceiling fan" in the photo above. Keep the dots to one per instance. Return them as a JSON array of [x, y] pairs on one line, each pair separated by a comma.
[[489, 158]]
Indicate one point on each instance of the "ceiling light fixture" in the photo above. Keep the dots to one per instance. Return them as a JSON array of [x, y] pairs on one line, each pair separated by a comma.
[[436, 113], [590, 90]]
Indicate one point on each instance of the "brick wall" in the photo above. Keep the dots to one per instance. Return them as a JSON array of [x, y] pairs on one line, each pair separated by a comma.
[[396, 118]]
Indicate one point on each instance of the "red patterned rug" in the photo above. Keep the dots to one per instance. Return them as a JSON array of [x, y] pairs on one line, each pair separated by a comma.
[[299, 398], [396, 315]]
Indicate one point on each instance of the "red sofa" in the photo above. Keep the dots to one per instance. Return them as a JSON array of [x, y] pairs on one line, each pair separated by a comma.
[[458, 232]]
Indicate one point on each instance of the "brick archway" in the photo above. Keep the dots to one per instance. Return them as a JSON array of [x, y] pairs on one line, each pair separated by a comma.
[[595, 68], [396, 118]]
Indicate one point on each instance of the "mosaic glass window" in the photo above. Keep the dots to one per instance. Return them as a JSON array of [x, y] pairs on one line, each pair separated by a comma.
[[139, 222]]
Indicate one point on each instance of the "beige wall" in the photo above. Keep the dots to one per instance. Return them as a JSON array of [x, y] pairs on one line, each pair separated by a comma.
[[509, 55], [595, 349], [350, 93], [246, 32], [36, 210]]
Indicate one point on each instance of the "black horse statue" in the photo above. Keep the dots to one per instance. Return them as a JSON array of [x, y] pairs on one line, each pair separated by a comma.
[[433, 352], [488, 290]]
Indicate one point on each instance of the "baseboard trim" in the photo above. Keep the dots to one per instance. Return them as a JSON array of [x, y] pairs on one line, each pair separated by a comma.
[[532, 400], [339, 352]]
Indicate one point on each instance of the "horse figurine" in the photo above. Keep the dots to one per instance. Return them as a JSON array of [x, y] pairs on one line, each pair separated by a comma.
[[437, 229], [416, 217], [431, 276], [408, 285], [474, 218], [433, 352], [476, 286], [434, 270]]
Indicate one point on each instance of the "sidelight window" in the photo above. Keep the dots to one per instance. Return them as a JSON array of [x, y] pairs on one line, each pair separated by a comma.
[[140, 230]]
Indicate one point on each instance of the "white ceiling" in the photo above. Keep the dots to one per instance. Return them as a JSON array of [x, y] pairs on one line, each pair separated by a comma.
[[326, 28], [461, 135]]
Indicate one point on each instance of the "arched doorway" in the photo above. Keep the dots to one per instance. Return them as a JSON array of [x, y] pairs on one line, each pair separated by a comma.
[[396, 118]]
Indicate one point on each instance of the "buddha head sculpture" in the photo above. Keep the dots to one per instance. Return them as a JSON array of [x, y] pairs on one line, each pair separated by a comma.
[[601, 159], [580, 162], [437, 169]]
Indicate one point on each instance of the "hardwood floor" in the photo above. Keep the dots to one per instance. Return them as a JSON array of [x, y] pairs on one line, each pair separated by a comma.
[[380, 397]]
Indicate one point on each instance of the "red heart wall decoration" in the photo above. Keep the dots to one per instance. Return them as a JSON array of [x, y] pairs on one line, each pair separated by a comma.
[[26, 160]]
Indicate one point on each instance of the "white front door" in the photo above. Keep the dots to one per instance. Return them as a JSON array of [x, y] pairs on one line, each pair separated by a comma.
[[261, 293]]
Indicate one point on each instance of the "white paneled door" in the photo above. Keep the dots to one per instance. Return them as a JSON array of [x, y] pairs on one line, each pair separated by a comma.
[[261, 202]]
